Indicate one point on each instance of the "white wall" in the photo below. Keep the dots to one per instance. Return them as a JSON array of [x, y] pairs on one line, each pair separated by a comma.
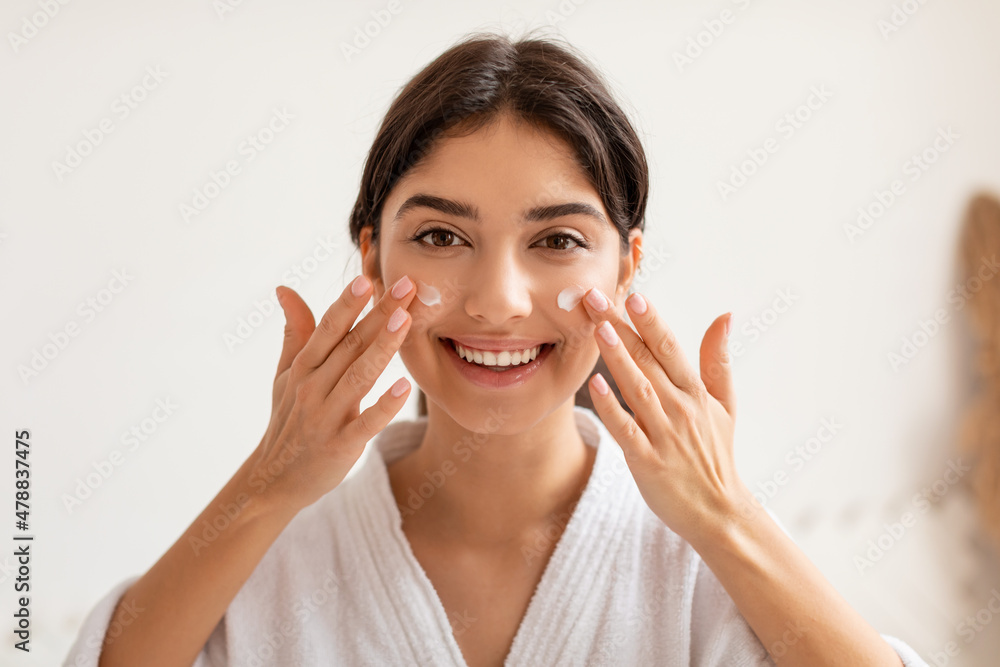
[[162, 336]]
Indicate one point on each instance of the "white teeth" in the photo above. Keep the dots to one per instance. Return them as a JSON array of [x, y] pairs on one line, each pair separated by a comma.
[[504, 358]]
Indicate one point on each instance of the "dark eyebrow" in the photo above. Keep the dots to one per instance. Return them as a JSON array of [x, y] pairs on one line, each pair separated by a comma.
[[465, 210]]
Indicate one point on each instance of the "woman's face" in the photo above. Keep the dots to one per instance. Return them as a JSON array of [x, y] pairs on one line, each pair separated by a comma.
[[492, 227]]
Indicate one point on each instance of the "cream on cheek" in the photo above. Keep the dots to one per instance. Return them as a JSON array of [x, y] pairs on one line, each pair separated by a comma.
[[570, 297], [428, 294]]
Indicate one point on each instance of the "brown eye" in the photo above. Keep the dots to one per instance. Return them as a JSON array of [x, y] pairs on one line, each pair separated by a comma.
[[441, 234], [561, 243], [436, 234]]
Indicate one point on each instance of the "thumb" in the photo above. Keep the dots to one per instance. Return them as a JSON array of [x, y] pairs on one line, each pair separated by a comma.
[[716, 367], [299, 325]]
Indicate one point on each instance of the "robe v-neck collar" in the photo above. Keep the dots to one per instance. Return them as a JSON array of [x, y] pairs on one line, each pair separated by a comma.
[[581, 558]]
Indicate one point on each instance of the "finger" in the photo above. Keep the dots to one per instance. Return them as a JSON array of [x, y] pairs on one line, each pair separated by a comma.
[[368, 330], [354, 383], [299, 325], [617, 420], [662, 342], [716, 367], [375, 418], [636, 346], [337, 326], [336, 322], [637, 389]]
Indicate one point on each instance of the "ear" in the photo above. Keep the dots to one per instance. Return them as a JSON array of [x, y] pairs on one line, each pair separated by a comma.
[[629, 265], [370, 262]]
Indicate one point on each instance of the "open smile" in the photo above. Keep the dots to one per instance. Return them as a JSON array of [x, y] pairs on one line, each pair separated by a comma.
[[494, 376]]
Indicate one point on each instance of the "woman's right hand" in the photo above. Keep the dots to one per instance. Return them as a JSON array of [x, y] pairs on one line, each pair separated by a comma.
[[317, 432]]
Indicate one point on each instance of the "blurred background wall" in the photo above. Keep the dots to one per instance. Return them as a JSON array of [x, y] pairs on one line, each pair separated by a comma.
[[810, 164]]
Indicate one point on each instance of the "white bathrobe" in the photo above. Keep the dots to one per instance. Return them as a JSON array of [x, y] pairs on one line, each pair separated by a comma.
[[341, 586]]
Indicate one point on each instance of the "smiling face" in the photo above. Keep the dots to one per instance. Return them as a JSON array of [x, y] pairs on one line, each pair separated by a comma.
[[499, 222]]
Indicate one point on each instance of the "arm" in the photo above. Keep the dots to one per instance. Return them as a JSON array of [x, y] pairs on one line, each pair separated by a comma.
[[795, 612], [678, 444], [174, 607], [315, 436]]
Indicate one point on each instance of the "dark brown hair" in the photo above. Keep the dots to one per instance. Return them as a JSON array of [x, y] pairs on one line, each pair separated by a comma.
[[542, 80]]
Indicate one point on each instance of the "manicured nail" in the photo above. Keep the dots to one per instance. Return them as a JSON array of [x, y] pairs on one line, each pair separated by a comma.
[[729, 324], [402, 286], [601, 385], [399, 388], [397, 319], [608, 333], [359, 285], [597, 300], [637, 303]]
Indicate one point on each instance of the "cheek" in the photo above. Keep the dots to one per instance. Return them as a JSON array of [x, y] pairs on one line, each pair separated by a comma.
[[428, 294]]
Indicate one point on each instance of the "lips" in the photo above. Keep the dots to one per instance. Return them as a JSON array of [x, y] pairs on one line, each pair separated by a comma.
[[495, 377], [491, 356]]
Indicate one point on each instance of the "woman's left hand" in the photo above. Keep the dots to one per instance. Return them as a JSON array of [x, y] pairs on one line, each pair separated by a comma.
[[679, 444]]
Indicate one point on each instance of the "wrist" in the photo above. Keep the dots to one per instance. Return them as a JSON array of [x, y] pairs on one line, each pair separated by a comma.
[[257, 496], [730, 522]]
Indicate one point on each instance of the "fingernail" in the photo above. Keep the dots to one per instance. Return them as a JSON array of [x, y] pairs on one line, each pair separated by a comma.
[[601, 385], [597, 300], [401, 287], [608, 333], [729, 324], [637, 303], [399, 388], [397, 319], [359, 285]]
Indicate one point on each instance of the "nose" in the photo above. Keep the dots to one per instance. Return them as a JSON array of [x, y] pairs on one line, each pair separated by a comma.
[[499, 291]]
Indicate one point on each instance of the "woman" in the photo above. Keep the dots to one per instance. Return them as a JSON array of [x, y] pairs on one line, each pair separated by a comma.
[[505, 525]]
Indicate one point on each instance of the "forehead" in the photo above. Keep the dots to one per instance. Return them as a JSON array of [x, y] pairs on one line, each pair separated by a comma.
[[505, 168]]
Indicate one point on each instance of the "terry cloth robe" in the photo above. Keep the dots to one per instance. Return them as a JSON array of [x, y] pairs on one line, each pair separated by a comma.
[[341, 586]]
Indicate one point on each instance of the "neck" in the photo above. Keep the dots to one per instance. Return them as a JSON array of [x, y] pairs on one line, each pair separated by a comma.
[[494, 488]]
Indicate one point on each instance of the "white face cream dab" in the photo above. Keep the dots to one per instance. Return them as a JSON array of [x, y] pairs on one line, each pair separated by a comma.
[[428, 294], [570, 297]]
